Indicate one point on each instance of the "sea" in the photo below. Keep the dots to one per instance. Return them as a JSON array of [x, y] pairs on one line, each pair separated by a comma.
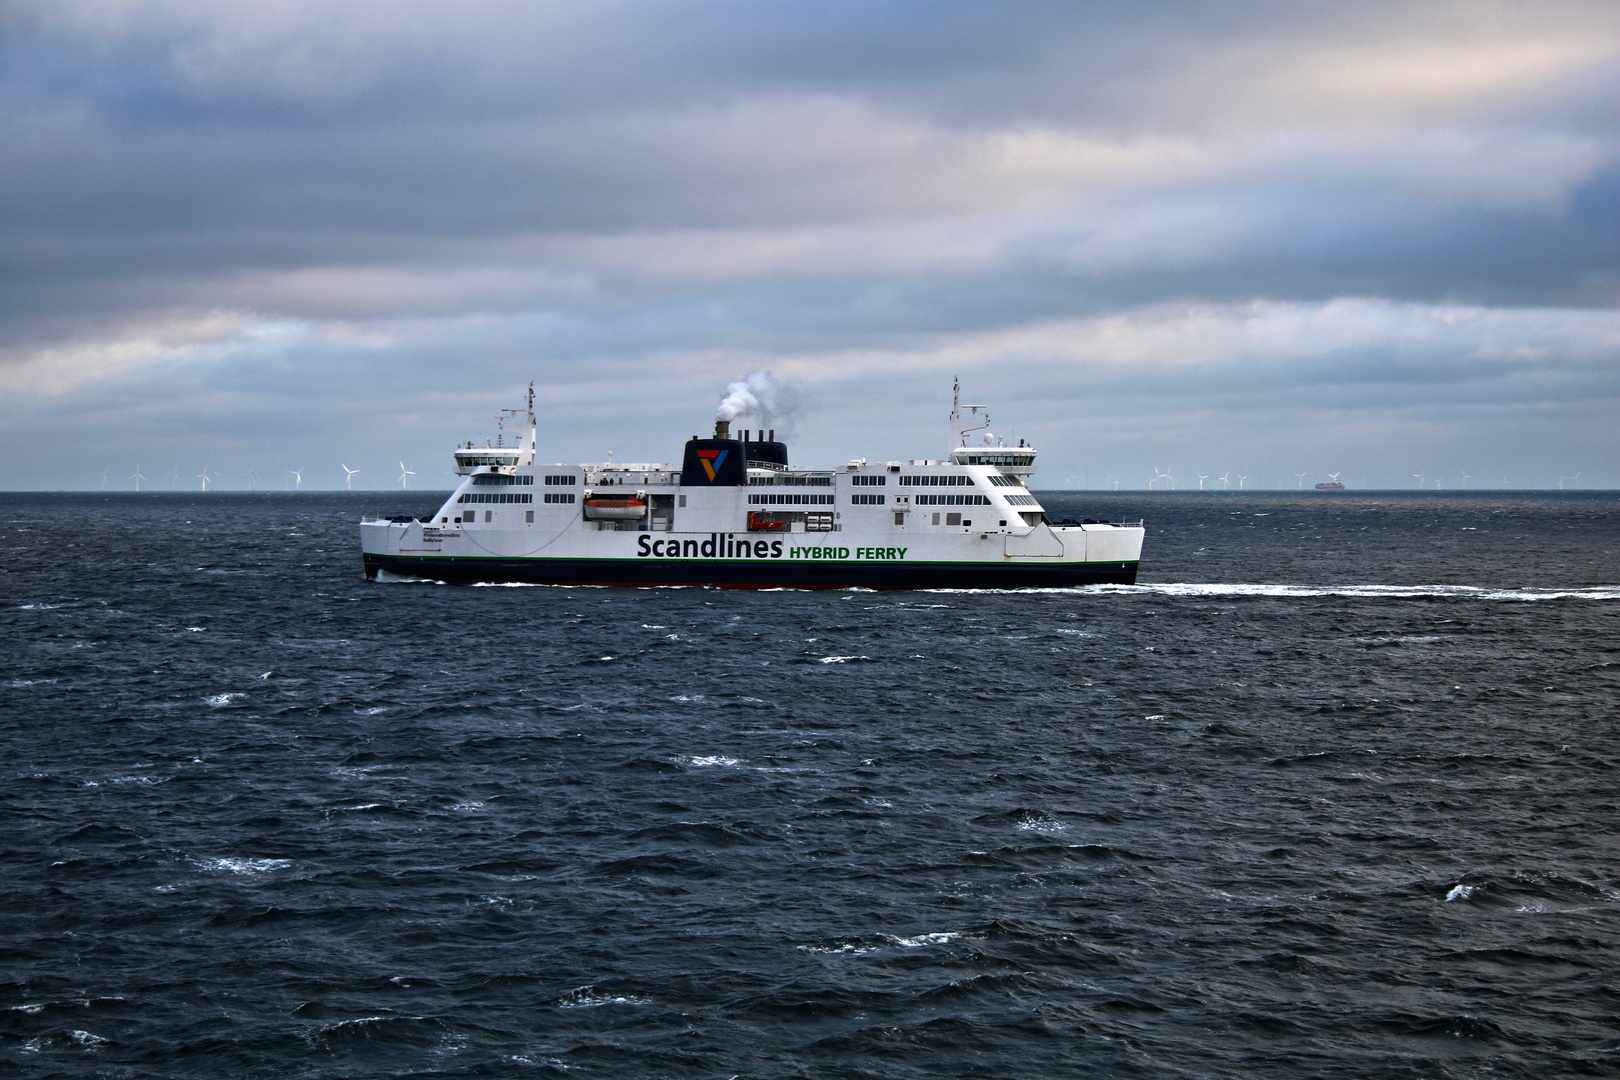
[[1332, 792]]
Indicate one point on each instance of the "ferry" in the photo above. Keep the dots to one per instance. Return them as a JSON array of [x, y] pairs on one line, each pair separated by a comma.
[[735, 514]]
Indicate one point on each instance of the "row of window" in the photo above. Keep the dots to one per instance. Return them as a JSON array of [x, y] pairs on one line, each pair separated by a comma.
[[867, 500], [790, 481], [488, 480], [866, 480], [790, 500], [1003, 480], [471, 461], [996, 459], [559, 496], [953, 500], [1022, 500], [936, 481], [495, 497], [562, 480]]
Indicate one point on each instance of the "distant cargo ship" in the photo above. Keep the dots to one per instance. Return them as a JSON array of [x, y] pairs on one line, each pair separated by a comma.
[[1334, 485]]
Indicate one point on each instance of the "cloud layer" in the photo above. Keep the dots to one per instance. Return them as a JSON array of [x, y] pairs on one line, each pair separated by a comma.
[[1380, 240]]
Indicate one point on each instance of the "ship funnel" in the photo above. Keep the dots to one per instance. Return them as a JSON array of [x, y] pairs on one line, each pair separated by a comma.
[[722, 429]]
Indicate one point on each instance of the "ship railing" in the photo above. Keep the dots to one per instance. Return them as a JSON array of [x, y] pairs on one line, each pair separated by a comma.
[[1140, 523]]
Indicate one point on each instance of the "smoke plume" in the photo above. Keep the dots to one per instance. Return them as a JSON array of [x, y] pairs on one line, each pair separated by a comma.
[[759, 396]]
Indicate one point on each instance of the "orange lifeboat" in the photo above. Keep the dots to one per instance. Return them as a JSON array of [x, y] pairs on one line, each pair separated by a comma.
[[599, 508]]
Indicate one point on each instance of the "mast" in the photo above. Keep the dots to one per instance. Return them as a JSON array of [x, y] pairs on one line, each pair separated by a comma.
[[978, 417]]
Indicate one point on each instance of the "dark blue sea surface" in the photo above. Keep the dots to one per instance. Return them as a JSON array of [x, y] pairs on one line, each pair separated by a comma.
[[1333, 793]]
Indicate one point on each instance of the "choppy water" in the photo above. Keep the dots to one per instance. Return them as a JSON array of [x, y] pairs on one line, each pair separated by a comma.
[[1333, 794]]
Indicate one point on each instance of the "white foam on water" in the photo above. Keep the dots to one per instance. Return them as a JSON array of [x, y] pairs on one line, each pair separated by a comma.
[[37, 607], [196, 629], [220, 700], [1375, 592], [387, 578], [371, 711], [1041, 823], [362, 1021], [84, 1038], [583, 998], [840, 659], [244, 866], [713, 760], [1461, 892], [506, 585], [31, 1008], [924, 940], [838, 950]]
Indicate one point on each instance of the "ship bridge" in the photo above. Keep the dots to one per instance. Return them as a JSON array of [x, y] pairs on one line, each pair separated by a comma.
[[1016, 461]]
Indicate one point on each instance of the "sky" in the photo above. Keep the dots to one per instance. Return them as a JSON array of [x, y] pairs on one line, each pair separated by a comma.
[[1247, 238]]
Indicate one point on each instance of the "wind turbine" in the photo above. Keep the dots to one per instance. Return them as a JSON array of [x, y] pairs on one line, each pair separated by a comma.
[[104, 473], [1116, 485], [1419, 477], [1301, 477], [1201, 479], [252, 475], [1466, 478], [137, 477], [298, 477], [1333, 476], [1571, 479], [404, 477], [1157, 476], [1226, 479], [1437, 484], [205, 478], [1241, 479], [174, 479], [350, 477]]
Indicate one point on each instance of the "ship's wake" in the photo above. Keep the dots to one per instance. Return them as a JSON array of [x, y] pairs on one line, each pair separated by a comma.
[[1367, 592]]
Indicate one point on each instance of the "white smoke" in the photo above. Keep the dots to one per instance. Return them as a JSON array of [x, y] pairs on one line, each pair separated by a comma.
[[759, 396]]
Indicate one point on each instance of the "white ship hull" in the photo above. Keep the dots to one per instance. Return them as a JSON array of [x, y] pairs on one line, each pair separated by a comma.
[[895, 558]]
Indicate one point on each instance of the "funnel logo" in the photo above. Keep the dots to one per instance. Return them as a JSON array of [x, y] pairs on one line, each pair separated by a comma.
[[712, 460]]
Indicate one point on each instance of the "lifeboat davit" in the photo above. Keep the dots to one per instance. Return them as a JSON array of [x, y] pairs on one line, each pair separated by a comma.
[[598, 508]]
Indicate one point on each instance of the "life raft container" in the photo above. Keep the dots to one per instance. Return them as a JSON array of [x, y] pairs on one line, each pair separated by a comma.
[[622, 509]]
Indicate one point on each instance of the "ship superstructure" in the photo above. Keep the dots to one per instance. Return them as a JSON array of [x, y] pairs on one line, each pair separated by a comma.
[[734, 513]]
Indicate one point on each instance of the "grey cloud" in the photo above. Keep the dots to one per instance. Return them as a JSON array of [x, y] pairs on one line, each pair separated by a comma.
[[678, 193]]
